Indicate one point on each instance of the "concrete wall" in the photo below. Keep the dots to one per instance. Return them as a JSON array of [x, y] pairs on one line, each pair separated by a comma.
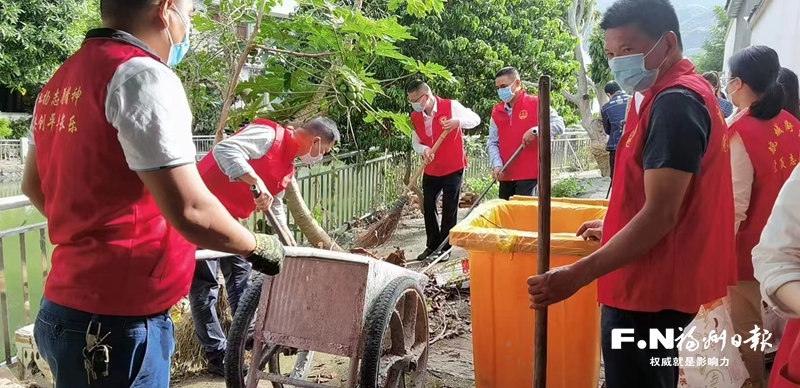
[[777, 25]]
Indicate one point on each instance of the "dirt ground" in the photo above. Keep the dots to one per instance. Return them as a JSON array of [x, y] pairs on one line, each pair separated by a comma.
[[450, 362]]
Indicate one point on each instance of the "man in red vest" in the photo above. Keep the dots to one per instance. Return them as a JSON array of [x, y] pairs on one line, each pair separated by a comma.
[[444, 171], [515, 121], [261, 154], [668, 236], [113, 170]]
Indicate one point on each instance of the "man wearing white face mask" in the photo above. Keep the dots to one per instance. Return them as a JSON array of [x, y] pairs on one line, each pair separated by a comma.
[[444, 171], [112, 167], [261, 154], [668, 242]]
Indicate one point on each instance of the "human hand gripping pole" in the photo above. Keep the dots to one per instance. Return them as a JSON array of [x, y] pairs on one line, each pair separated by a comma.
[[269, 254]]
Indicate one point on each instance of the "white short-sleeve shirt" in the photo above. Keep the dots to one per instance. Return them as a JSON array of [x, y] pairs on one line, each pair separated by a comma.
[[147, 105]]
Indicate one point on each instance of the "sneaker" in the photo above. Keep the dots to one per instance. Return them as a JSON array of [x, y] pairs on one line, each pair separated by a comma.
[[442, 256], [424, 255]]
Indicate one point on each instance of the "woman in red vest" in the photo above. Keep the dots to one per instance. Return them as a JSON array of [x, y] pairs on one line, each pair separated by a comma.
[[777, 263], [261, 154], [765, 147], [667, 239]]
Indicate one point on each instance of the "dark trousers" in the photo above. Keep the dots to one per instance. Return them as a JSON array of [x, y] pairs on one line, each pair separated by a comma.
[[630, 367], [203, 299], [449, 186], [511, 188], [141, 347]]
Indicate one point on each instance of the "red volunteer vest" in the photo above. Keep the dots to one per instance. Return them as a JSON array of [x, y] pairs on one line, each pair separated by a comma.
[[450, 156], [786, 369], [115, 253], [510, 129], [774, 150], [276, 169], [692, 264]]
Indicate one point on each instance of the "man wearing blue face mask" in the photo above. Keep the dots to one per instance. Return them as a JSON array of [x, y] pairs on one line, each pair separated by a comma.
[[668, 243], [261, 154], [112, 167], [515, 121]]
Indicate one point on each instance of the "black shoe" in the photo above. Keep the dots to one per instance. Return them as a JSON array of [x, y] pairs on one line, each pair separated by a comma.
[[424, 255], [216, 365]]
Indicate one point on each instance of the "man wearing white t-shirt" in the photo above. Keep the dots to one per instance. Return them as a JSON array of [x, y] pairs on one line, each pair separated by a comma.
[[112, 167]]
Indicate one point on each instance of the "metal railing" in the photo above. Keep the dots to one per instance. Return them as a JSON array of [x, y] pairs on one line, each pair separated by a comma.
[[337, 191], [11, 150]]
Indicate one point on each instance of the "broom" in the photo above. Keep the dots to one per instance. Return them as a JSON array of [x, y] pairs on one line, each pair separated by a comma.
[[382, 231]]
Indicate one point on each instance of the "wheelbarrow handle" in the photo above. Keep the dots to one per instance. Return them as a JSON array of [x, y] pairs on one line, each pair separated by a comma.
[[283, 234]]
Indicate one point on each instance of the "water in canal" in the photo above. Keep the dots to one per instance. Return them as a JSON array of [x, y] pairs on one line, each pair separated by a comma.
[[22, 297]]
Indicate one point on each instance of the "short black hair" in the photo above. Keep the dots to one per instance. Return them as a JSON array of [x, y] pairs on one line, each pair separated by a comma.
[[323, 127], [509, 71], [652, 17], [612, 87], [117, 8], [417, 85]]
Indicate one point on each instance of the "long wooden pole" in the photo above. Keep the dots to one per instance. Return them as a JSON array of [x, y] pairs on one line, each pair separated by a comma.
[[540, 336]]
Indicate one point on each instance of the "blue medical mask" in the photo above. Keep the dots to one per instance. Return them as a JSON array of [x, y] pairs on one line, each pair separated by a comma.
[[630, 73], [505, 94], [178, 51], [418, 107]]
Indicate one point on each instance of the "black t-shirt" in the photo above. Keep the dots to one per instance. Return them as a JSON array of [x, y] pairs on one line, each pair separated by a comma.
[[678, 132]]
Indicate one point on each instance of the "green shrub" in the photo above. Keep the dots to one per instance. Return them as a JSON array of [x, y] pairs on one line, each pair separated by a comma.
[[477, 185], [569, 187], [20, 128], [5, 128]]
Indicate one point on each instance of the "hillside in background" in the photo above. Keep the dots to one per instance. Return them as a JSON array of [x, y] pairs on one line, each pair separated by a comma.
[[696, 18]]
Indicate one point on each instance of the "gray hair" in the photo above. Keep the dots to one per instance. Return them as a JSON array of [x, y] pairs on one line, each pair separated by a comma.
[[323, 127]]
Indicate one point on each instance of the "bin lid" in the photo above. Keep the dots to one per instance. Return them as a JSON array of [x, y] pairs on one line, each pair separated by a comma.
[[510, 226]]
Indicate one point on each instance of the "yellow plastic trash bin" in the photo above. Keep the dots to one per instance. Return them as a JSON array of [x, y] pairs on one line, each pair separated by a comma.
[[579, 201], [501, 239]]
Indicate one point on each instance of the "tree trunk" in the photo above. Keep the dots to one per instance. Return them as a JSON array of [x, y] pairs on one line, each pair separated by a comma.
[[579, 20], [306, 222]]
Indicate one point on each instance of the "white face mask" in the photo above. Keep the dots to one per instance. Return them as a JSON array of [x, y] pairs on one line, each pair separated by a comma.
[[311, 160]]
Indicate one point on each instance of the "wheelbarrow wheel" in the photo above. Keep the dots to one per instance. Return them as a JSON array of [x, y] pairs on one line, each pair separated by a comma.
[[236, 356], [396, 344]]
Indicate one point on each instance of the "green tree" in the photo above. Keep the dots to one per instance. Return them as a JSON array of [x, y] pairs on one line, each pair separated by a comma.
[[598, 70], [323, 60], [473, 39], [713, 56], [36, 36]]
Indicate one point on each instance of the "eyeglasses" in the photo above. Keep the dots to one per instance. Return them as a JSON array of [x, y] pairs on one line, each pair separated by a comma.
[[724, 81]]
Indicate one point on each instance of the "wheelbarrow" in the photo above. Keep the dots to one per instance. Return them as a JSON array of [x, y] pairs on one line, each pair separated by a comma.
[[336, 303]]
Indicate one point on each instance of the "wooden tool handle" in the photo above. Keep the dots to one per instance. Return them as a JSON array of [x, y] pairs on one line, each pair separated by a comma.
[[283, 234], [413, 182], [540, 335]]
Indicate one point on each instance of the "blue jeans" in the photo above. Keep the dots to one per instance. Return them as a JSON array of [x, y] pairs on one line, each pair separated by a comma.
[[204, 294], [141, 347]]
